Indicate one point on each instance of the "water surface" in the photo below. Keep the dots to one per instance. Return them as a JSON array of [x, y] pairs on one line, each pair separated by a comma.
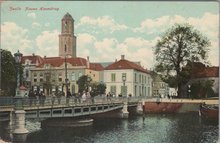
[[151, 128]]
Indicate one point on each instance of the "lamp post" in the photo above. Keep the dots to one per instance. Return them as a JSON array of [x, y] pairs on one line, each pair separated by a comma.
[[17, 57], [66, 79], [124, 79], [189, 89]]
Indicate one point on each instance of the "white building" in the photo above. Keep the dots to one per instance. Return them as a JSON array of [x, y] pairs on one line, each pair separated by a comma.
[[125, 77], [159, 87]]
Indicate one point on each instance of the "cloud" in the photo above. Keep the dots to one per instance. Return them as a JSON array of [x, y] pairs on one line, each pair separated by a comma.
[[208, 25], [109, 49], [85, 43], [48, 43], [214, 53], [35, 25], [47, 24], [15, 38], [32, 15], [139, 49], [106, 23]]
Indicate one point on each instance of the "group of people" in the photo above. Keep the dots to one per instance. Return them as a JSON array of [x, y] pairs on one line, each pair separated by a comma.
[[38, 96], [35, 96]]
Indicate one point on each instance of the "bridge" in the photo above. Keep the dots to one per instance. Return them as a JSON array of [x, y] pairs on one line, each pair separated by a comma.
[[16, 110]]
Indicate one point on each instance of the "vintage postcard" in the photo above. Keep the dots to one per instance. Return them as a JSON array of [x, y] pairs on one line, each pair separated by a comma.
[[109, 71]]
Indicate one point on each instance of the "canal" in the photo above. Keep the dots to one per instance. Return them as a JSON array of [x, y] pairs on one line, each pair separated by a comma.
[[151, 128]]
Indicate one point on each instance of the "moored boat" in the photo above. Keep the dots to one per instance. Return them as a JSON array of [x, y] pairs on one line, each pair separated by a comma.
[[210, 112]]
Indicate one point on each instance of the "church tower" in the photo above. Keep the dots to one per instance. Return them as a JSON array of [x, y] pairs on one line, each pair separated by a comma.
[[67, 39]]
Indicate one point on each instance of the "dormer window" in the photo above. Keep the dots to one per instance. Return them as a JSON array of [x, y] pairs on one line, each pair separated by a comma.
[[46, 66], [27, 62]]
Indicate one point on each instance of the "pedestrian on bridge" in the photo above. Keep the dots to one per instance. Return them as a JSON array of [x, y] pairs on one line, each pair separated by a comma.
[[59, 95], [84, 96], [31, 97], [68, 95], [53, 98]]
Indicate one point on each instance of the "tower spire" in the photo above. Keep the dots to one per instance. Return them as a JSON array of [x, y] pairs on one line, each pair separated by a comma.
[[67, 38]]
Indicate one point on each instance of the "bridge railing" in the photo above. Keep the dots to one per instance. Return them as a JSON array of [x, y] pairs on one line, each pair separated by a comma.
[[63, 101]]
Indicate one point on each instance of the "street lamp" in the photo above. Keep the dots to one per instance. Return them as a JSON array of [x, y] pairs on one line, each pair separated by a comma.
[[66, 79], [17, 57], [124, 79], [189, 89]]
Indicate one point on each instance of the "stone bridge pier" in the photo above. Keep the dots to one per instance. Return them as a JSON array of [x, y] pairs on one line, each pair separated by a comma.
[[19, 122], [129, 108], [140, 108], [124, 112], [19, 131]]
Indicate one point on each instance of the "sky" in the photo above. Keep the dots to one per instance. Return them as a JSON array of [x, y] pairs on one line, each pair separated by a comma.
[[105, 30]]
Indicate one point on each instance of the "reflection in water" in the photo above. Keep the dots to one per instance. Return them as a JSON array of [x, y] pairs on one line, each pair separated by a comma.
[[154, 128]]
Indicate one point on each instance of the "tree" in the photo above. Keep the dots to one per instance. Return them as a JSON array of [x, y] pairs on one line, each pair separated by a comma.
[[177, 46], [98, 88], [8, 73], [101, 87], [202, 89], [84, 83]]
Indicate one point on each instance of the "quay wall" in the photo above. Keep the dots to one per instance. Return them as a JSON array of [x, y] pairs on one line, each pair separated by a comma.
[[174, 105], [169, 107]]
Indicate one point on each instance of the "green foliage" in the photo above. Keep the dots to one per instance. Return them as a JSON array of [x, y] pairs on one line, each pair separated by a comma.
[[83, 83], [8, 72], [177, 46], [101, 88], [202, 89], [98, 88]]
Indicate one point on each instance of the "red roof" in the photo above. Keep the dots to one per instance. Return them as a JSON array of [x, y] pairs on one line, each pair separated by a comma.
[[35, 59], [206, 72], [58, 61], [96, 66], [125, 64]]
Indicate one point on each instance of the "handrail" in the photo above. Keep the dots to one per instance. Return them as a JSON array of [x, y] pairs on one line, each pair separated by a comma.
[[16, 102]]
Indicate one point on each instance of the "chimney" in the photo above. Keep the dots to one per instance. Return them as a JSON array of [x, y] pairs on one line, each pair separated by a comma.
[[33, 54], [116, 60], [122, 57]]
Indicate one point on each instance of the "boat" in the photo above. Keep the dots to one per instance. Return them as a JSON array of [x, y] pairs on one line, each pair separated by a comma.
[[209, 112]]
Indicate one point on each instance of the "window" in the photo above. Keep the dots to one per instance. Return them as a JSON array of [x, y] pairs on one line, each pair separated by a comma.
[[68, 76], [139, 78], [41, 77], [80, 74], [60, 79], [35, 74], [140, 91], [148, 80], [135, 90], [135, 77], [26, 73], [35, 77], [113, 77], [73, 77], [113, 89], [53, 77], [145, 79]]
